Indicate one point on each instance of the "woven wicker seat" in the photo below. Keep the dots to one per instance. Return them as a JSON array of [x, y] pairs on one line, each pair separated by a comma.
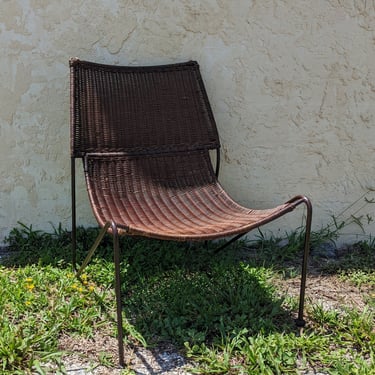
[[144, 134]]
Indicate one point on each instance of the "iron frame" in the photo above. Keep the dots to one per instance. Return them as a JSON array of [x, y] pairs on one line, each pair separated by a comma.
[[296, 201]]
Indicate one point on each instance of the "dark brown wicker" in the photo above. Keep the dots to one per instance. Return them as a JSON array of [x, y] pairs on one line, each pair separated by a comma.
[[144, 134]]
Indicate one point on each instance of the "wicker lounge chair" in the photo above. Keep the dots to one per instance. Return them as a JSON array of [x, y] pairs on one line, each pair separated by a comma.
[[144, 134]]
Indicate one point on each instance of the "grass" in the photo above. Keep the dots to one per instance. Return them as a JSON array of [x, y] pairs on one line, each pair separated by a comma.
[[229, 312]]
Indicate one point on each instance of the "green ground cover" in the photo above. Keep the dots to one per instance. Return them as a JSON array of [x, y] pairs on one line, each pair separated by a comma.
[[231, 313]]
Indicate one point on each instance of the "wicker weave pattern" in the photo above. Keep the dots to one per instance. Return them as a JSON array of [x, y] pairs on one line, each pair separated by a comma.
[[145, 134], [168, 197], [139, 110]]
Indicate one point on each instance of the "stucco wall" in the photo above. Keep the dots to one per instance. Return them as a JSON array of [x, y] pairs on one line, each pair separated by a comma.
[[292, 84]]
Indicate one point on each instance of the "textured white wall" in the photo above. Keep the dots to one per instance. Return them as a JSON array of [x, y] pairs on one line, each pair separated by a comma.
[[292, 85]]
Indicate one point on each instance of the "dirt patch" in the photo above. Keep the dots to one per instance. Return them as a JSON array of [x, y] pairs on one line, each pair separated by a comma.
[[86, 357], [329, 291]]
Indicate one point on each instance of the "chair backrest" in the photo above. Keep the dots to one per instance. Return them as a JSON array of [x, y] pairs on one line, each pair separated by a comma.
[[139, 110]]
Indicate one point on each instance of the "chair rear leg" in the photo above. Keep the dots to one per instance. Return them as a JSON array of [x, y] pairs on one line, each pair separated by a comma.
[[93, 248], [300, 322], [74, 220], [229, 242], [120, 331]]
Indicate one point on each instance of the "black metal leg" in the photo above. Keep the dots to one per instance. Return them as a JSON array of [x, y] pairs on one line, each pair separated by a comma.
[[300, 321], [93, 248], [116, 258], [120, 332], [74, 224], [229, 242]]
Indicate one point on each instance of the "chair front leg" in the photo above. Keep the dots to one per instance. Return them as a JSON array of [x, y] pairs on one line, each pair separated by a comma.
[[300, 322], [116, 256]]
